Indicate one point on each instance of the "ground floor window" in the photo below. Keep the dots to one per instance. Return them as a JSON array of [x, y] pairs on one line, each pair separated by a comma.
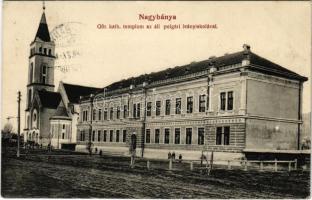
[[201, 136], [167, 136], [111, 132], [223, 135], [99, 136], [104, 135], [148, 136], [117, 136], [188, 139], [124, 135], [177, 136], [157, 131]]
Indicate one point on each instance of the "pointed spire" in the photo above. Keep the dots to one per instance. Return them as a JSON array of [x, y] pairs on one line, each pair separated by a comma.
[[43, 30]]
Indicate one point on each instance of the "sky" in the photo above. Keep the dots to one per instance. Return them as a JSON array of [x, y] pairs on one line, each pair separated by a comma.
[[278, 31]]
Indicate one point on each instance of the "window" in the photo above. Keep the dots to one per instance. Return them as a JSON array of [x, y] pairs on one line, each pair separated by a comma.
[[29, 97], [118, 112], [201, 136], [148, 136], [117, 135], [223, 135], [94, 115], [82, 136], [158, 107], [134, 110], [105, 135], [202, 103], [100, 114], [45, 51], [111, 113], [157, 131], [85, 115], [188, 136], [189, 104], [125, 111], [63, 127], [149, 109], [99, 136], [177, 136], [222, 101], [105, 114], [31, 73], [44, 74], [93, 136], [63, 135], [167, 107], [111, 132], [50, 52], [167, 135], [124, 135], [138, 110], [40, 49], [178, 106], [230, 101]]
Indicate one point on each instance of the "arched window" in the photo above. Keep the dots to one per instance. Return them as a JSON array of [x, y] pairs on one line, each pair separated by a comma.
[[31, 72], [44, 74], [29, 97]]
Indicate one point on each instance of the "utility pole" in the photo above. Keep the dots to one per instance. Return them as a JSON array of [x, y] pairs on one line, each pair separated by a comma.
[[18, 122]]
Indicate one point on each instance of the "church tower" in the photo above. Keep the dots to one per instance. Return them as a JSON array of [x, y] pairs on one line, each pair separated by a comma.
[[41, 61]]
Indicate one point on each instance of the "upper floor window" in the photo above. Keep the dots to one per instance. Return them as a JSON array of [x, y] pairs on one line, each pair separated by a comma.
[[105, 114], [230, 101], [93, 136], [40, 49], [85, 115], [158, 107], [201, 136], [99, 136], [125, 111], [167, 107], [189, 105], [45, 51], [148, 136], [94, 114], [149, 109], [31, 77], [178, 106], [82, 136], [111, 113], [117, 135], [44, 74], [50, 52], [134, 110], [104, 135], [226, 100], [138, 110], [111, 132], [223, 135], [188, 136], [118, 112], [100, 114], [202, 103]]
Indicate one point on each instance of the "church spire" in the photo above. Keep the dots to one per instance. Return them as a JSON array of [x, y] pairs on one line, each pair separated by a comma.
[[43, 30]]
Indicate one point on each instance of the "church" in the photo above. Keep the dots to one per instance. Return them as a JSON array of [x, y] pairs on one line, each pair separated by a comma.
[[51, 116]]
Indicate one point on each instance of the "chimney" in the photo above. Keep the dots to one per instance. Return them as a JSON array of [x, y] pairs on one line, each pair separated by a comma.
[[246, 47], [246, 59]]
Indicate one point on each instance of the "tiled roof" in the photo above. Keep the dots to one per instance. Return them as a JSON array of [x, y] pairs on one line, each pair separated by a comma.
[[228, 59], [43, 30], [75, 91], [49, 99]]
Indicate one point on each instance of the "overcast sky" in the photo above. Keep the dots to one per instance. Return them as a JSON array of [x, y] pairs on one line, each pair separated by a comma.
[[278, 31]]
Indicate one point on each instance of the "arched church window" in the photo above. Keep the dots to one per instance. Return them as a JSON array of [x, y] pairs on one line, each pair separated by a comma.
[[44, 74], [29, 97]]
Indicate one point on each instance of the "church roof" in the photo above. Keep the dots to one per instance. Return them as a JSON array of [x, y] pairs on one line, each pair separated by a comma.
[[257, 63], [49, 99], [75, 91], [61, 112], [43, 30]]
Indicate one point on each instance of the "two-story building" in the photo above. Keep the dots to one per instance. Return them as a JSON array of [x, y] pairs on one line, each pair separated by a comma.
[[233, 103]]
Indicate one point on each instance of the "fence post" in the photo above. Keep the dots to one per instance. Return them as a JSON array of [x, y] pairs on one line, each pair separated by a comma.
[[229, 164], [296, 163], [289, 166], [275, 165], [261, 166], [170, 164], [191, 165], [148, 164], [245, 167]]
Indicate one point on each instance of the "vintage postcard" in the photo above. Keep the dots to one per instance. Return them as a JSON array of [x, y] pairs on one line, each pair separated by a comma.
[[156, 99]]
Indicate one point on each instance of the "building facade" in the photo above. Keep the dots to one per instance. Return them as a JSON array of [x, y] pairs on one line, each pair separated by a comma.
[[234, 103]]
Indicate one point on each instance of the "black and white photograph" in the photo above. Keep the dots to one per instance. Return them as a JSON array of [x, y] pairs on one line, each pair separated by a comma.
[[156, 99]]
